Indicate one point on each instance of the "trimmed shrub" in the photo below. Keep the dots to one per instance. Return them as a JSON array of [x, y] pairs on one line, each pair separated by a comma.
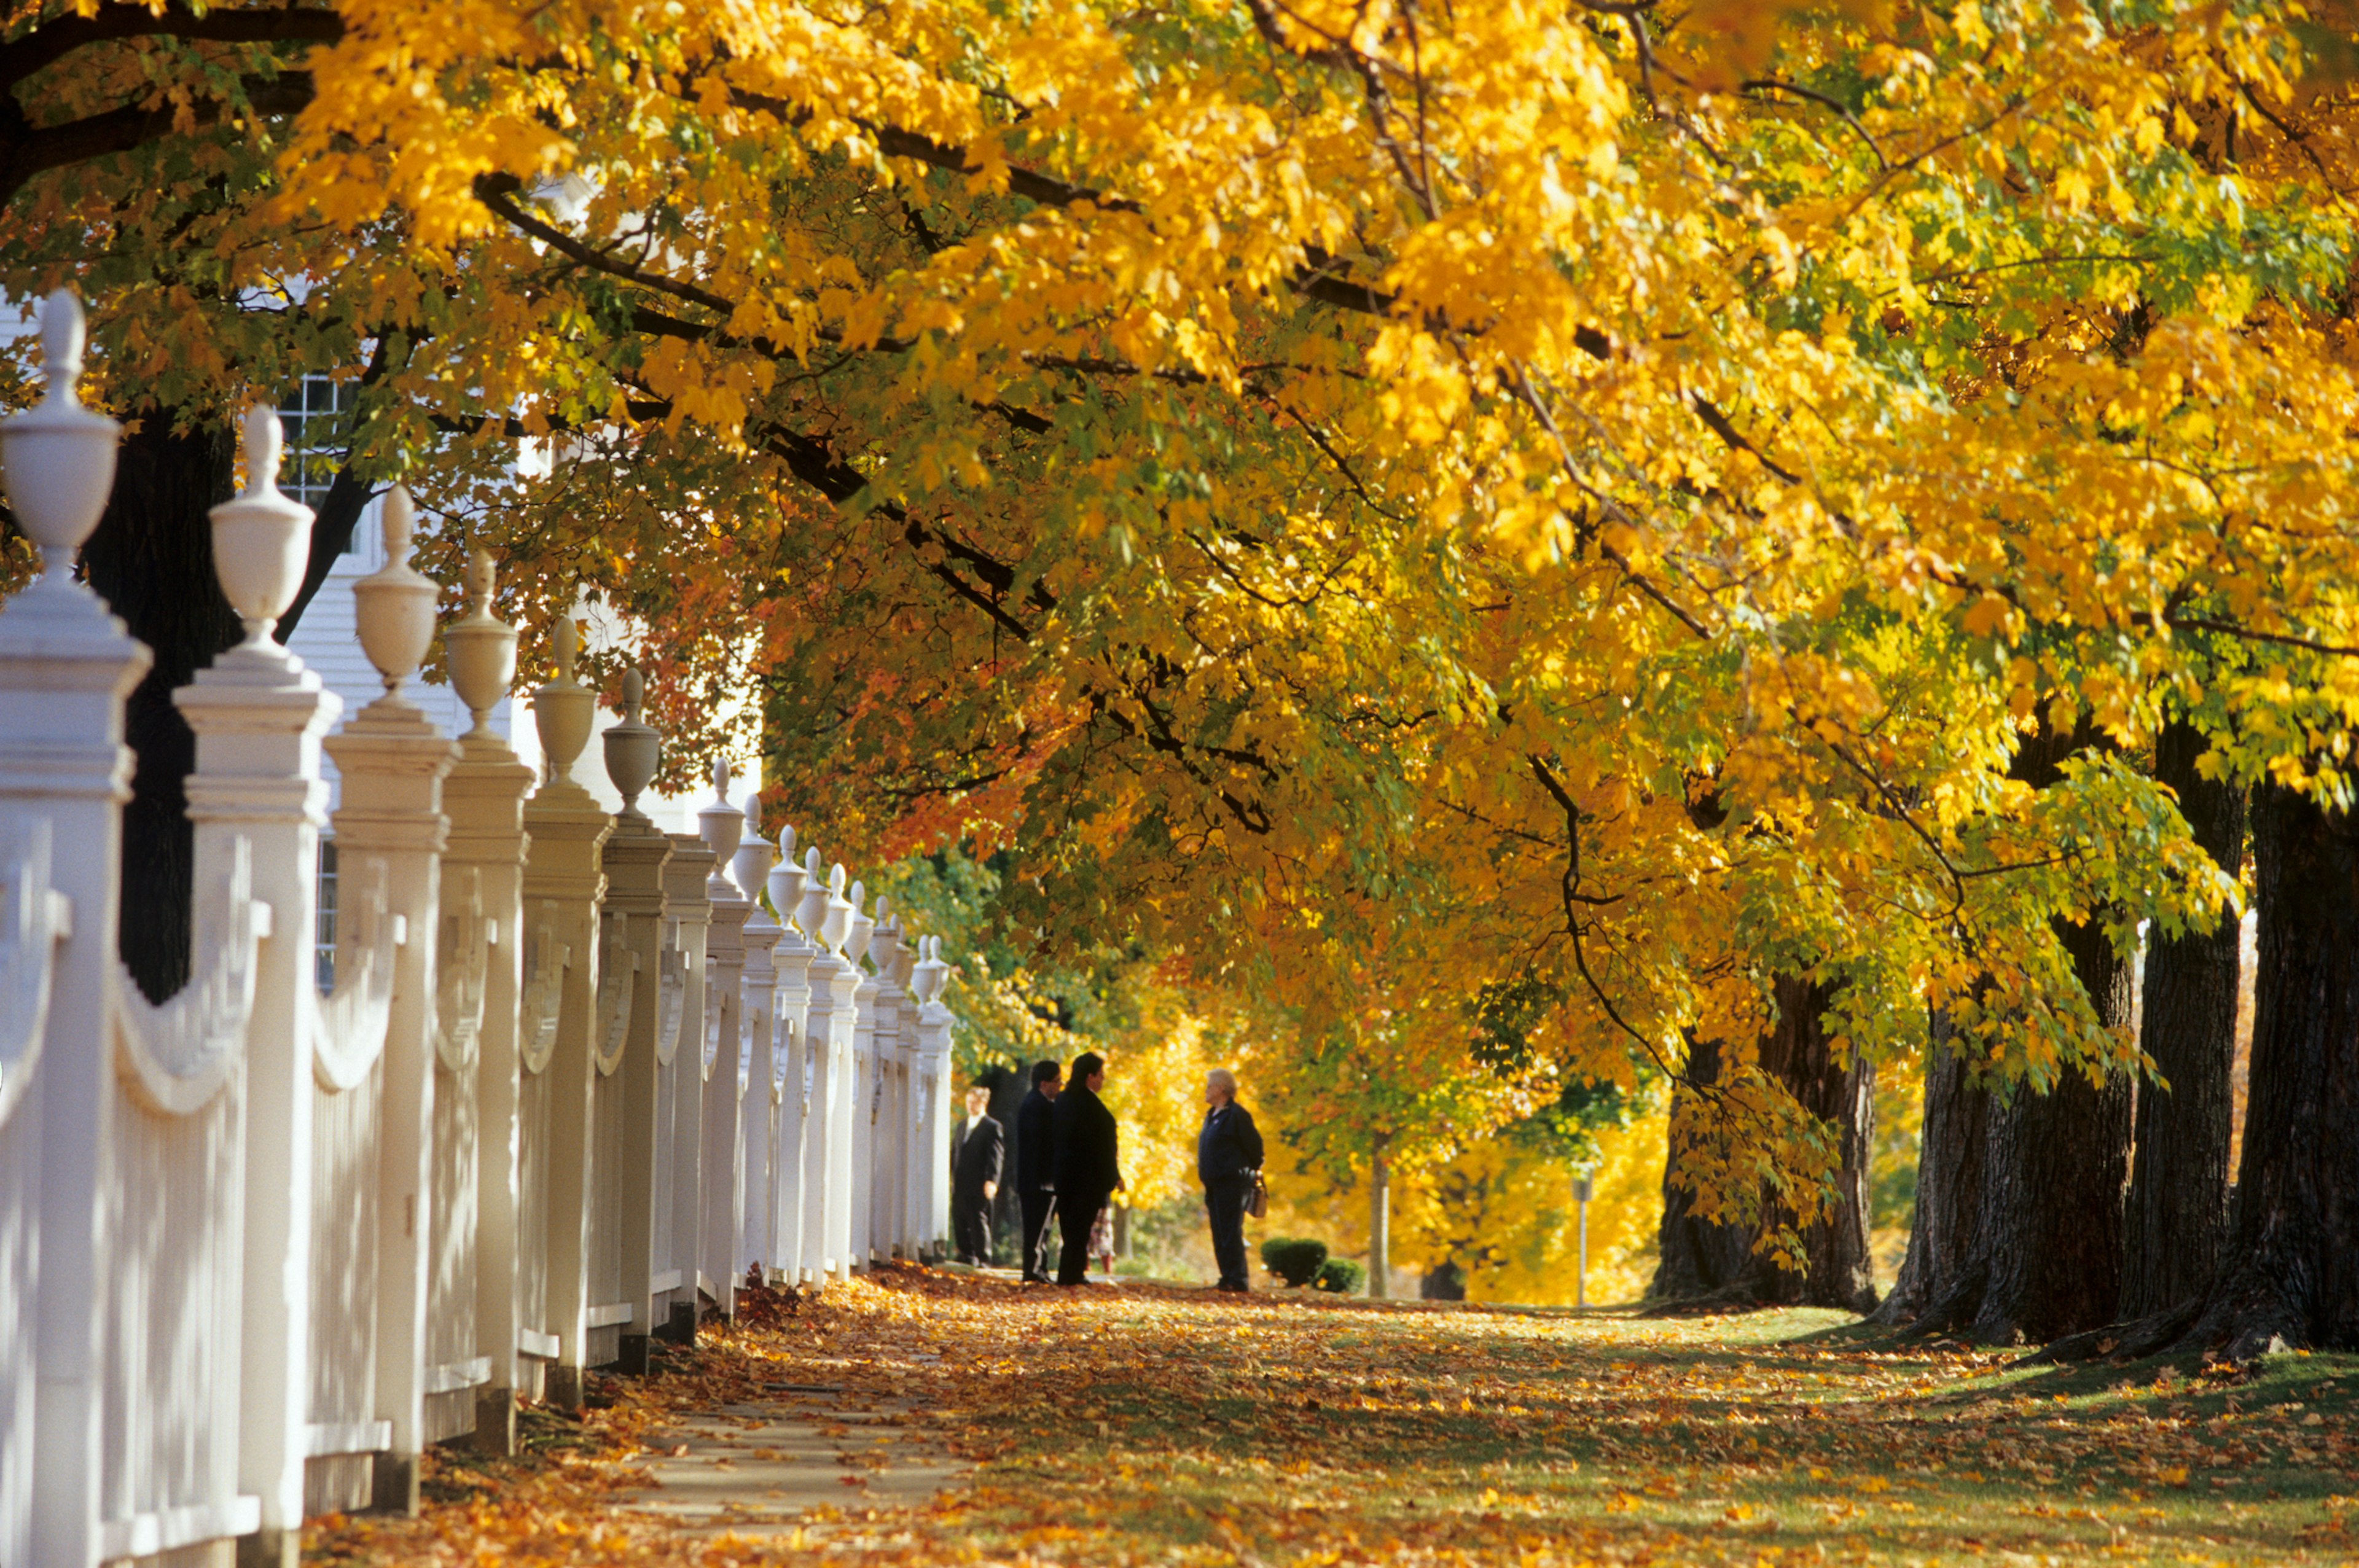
[[1295, 1259], [1341, 1276]]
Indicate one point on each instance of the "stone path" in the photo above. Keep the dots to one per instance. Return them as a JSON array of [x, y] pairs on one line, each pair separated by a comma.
[[759, 1469]]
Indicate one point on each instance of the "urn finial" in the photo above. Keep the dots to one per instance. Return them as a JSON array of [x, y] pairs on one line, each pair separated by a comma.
[[563, 709], [393, 604], [59, 456], [720, 824], [262, 539], [752, 862], [864, 925], [812, 914], [482, 647], [786, 880], [633, 747], [835, 923]]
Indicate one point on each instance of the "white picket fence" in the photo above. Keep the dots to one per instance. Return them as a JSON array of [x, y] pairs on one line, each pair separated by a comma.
[[258, 1245]]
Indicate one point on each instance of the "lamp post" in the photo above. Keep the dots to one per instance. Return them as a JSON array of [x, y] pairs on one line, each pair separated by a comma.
[[1582, 1190]]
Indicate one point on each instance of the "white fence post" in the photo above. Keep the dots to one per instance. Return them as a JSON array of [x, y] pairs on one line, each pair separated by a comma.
[[259, 716], [690, 913], [484, 797], [826, 916], [722, 1176], [934, 1024], [561, 880], [66, 668], [865, 1083], [262, 1246], [378, 1159], [757, 1088], [636, 859], [913, 1117], [890, 1149], [795, 1078]]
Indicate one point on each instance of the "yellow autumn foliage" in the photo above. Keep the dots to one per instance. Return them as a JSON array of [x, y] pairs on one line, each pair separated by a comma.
[[1378, 506]]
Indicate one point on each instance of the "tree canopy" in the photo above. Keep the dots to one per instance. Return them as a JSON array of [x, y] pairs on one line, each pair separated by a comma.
[[1372, 502]]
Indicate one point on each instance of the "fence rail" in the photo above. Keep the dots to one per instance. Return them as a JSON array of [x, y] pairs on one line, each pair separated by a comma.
[[573, 1082]]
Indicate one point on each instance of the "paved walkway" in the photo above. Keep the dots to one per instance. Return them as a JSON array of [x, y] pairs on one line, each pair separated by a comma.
[[759, 1469]]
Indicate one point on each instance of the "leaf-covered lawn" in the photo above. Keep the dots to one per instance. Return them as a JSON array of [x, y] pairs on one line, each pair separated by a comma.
[[1146, 1425]]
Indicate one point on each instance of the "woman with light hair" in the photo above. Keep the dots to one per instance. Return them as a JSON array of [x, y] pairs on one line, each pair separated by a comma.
[[1228, 1159]]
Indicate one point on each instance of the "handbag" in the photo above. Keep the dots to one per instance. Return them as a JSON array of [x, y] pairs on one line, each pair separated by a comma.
[[1258, 1205]]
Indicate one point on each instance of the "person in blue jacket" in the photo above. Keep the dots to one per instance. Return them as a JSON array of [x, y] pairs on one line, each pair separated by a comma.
[[1228, 1156]]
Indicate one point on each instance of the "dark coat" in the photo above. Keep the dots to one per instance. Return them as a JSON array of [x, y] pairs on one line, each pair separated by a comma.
[[977, 1156], [1088, 1162], [1035, 1144], [1229, 1146]]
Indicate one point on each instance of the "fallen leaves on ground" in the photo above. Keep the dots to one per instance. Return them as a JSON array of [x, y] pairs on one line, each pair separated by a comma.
[[1156, 1425]]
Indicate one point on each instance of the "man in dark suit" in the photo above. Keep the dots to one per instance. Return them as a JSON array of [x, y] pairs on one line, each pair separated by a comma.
[[1035, 1167], [1088, 1166], [978, 1151]]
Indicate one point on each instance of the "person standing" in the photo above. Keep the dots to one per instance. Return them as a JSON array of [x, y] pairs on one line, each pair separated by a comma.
[[1089, 1169], [1035, 1167], [1228, 1153], [978, 1154]]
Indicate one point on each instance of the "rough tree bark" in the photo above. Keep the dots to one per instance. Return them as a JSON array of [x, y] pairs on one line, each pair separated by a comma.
[[2178, 1212], [2045, 1257], [1948, 1185], [151, 558], [1841, 1274], [331, 537], [1695, 1257], [2290, 1271], [2053, 1173], [1699, 1258]]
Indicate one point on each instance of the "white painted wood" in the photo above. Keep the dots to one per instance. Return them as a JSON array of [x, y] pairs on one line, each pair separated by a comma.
[[258, 715], [757, 1066], [374, 1162], [680, 1103], [562, 879], [625, 1178], [722, 1166], [562, 1088]]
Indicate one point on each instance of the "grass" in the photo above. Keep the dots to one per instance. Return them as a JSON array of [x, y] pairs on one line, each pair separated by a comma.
[[1147, 1425]]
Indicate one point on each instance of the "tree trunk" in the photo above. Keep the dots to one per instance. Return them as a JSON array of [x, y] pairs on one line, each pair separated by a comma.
[[332, 539], [151, 558], [2055, 1164], [2045, 1259], [2290, 1272], [1695, 1256], [1841, 1274], [2178, 1211], [1948, 1189]]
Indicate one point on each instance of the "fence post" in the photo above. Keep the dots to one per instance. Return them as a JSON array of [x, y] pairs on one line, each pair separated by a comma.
[[819, 1072], [890, 1203], [393, 760], [568, 831], [66, 668], [757, 1085], [934, 1024], [259, 716], [722, 1175], [793, 959], [835, 981], [914, 1101], [866, 1085], [483, 797], [690, 913], [635, 860]]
